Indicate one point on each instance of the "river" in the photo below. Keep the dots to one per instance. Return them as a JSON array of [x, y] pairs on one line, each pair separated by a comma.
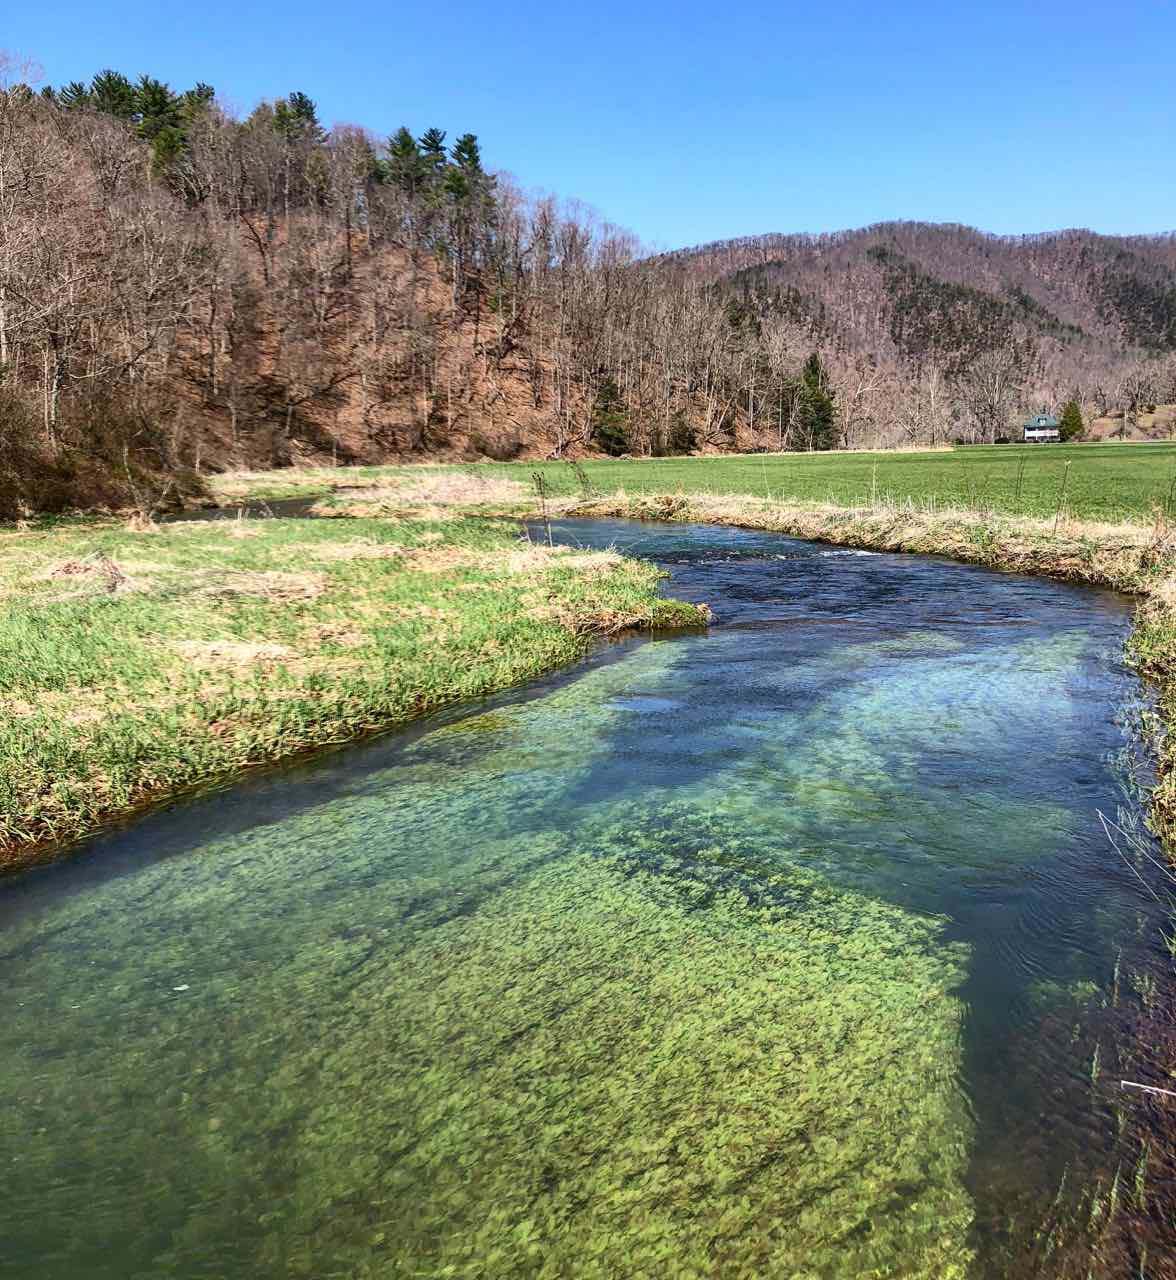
[[788, 949]]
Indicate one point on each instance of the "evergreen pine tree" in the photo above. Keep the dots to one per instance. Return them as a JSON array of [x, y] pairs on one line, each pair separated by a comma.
[[434, 161], [195, 100], [1071, 426], [406, 168], [432, 145], [296, 119], [467, 182], [74, 95], [304, 108], [304, 111], [466, 155], [815, 415], [156, 107], [112, 92], [610, 423]]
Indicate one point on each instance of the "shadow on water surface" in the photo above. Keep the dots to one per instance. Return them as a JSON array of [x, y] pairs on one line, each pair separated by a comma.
[[777, 950]]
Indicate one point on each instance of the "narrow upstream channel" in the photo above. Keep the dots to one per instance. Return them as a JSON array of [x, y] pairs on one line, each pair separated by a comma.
[[783, 950]]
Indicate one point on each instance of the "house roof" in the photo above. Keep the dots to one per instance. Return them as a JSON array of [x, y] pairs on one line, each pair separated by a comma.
[[1041, 420]]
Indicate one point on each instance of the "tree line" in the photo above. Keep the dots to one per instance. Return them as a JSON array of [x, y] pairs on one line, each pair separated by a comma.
[[183, 289], [180, 288]]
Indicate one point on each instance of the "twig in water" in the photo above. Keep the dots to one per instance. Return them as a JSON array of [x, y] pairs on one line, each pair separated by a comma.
[[1131, 867], [1147, 1088], [1136, 842]]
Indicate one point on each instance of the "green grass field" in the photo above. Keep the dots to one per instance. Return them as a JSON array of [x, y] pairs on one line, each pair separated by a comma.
[[1105, 482]]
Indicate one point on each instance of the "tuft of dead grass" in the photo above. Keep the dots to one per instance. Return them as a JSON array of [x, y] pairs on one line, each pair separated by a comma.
[[138, 522], [76, 707], [426, 495], [527, 558], [447, 488], [584, 622], [270, 584], [233, 653], [93, 574], [360, 549], [338, 634]]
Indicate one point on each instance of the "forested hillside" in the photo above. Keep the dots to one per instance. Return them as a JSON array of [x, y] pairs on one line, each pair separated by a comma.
[[938, 331], [182, 290]]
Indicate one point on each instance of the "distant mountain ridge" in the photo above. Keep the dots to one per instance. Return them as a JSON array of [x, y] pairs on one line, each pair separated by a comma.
[[911, 291]]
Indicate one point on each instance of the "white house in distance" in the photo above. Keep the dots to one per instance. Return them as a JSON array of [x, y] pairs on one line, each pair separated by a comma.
[[1042, 429]]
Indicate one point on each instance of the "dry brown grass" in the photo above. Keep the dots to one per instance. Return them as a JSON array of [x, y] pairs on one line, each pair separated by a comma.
[[446, 488], [92, 573], [270, 584], [233, 653], [605, 622], [76, 707], [428, 495], [339, 634], [532, 558], [137, 522], [357, 550]]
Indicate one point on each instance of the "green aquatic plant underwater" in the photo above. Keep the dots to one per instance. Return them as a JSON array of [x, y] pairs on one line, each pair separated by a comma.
[[597, 1048], [544, 990]]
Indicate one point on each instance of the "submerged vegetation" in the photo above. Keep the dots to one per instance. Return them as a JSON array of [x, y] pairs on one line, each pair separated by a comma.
[[135, 662], [502, 1029], [1124, 1221], [548, 989], [1134, 558]]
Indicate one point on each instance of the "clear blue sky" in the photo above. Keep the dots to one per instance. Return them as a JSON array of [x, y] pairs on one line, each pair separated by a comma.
[[691, 122]]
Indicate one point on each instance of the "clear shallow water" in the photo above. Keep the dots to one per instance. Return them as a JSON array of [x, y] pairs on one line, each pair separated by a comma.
[[782, 950]]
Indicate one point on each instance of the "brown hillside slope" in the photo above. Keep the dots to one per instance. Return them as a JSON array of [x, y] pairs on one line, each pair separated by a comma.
[[384, 365], [1092, 307]]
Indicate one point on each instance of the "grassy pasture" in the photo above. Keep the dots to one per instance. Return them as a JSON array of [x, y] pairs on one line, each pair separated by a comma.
[[1106, 482]]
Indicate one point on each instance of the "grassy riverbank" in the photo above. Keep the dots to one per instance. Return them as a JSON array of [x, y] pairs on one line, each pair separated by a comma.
[[137, 664]]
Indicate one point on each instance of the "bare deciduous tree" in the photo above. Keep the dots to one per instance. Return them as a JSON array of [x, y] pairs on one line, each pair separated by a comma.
[[992, 390]]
